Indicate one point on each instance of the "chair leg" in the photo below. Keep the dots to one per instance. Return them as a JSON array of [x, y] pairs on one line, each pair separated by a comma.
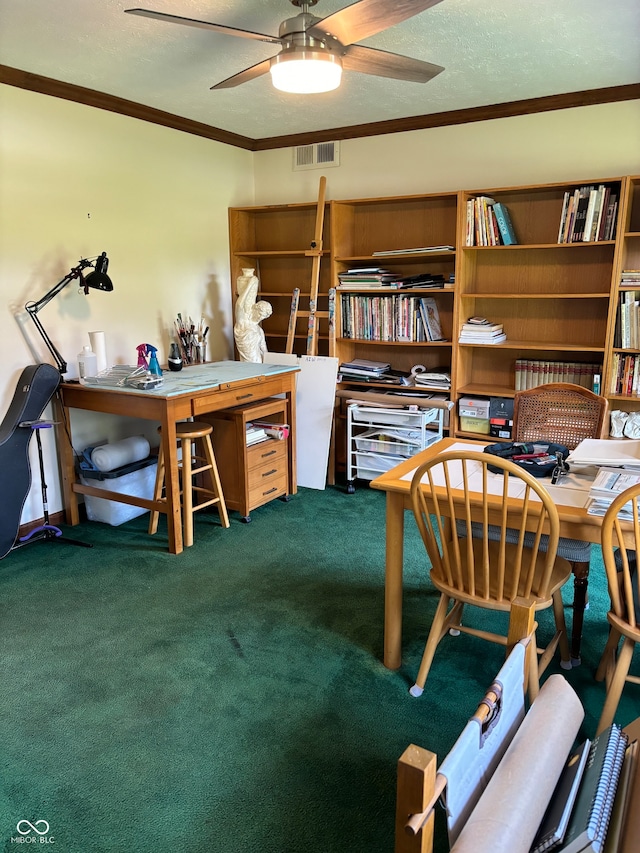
[[187, 492], [561, 626], [215, 480], [580, 586], [608, 659], [533, 682], [157, 492], [614, 691], [435, 635]]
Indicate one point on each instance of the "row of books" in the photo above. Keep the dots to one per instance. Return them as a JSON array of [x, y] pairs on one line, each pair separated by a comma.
[[588, 805], [530, 373], [395, 318], [627, 330], [625, 375], [488, 223], [376, 278], [588, 214]]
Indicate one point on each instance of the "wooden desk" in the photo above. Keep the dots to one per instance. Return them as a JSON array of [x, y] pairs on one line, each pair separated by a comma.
[[192, 392], [575, 523]]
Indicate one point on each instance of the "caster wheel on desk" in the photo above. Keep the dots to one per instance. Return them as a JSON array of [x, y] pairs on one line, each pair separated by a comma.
[[246, 519], [351, 488], [285, 498]]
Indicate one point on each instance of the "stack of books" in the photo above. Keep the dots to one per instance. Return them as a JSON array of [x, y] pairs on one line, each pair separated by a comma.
[[478, 330], [362, 368], [366, 278], [630, 278], [255, 434], [438, 377]]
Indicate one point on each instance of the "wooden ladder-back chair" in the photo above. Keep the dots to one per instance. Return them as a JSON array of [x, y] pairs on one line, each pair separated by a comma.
[[558, 412], [563, 413], [471, 565], [619, 553]]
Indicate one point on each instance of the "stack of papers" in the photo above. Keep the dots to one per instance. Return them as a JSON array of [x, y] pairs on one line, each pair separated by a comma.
[[608, 484]]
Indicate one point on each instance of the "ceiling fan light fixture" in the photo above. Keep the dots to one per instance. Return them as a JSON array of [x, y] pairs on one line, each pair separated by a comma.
[[306, 72]]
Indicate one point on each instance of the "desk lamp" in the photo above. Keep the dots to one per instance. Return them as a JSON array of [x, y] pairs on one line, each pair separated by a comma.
[[98, 280]]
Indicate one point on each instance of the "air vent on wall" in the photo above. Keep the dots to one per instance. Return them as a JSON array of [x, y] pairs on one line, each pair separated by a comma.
[[317, 156]]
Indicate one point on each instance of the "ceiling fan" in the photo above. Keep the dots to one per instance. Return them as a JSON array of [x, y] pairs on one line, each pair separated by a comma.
[[315, 50]]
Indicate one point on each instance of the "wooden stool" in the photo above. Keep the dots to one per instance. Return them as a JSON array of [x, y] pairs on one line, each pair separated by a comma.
[[188, 433]]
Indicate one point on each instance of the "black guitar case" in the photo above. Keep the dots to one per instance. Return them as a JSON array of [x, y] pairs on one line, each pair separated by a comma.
[[36, 386]]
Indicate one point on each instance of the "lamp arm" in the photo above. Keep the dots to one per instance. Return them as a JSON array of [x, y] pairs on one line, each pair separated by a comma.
[[32, 309], [61, 364]]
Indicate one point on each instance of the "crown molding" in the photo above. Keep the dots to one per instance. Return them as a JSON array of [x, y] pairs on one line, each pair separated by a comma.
[[100, 100]]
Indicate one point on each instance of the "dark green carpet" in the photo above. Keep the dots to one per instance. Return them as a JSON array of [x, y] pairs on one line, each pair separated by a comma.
[[231, 698]]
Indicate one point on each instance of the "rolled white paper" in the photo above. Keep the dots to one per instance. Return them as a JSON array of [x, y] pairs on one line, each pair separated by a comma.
[[509, 812], [99, 346], [417, 368], [107, 457]]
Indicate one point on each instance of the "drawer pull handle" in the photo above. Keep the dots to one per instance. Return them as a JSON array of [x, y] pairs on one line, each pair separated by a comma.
[[268, 492], [269, 473], [269, 453], [244, 396]]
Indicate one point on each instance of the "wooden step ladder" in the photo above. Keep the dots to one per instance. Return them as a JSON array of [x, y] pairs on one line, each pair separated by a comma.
[[313, 314]]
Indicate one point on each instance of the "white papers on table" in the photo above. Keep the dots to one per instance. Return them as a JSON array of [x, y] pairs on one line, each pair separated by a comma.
[[600, 451], [608, 484], [571, 490]]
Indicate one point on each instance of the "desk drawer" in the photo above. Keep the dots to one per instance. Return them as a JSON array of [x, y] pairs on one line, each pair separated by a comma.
[[239, 395], [266, 483], [272, 453]]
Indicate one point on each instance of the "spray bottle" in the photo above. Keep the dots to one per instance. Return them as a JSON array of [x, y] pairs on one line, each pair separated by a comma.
[[142, 350], [154, 367]]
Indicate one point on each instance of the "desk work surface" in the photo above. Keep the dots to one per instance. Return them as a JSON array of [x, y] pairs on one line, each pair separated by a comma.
[[572, 490], [200, 377]]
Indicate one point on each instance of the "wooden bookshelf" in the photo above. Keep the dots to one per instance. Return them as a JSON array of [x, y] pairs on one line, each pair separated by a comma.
[[627, 257], [557, 301], [274, 240]]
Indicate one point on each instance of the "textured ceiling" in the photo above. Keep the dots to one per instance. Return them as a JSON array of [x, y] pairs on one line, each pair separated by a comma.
[[493, 52]]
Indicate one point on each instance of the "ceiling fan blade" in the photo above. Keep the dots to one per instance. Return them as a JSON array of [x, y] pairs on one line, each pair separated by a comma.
[[368, 60], [244, 76], [203, 25], [368, 17]]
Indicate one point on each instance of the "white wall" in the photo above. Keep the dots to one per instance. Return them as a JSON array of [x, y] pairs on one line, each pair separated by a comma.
[[76, 181], [573, 145]]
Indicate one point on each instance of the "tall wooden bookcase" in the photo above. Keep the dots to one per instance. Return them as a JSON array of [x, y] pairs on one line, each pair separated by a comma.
[[552, 298], [557, 301], [275, 241], [362, 227], [627, 258]]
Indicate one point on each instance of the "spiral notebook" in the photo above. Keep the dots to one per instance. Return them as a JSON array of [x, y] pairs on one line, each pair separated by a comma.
[[589, 821]]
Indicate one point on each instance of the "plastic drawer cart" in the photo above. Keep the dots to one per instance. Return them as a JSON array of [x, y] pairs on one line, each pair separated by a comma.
[[379, 438]]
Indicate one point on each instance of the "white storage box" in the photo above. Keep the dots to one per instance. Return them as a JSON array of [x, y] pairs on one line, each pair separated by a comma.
[[139, 483], [367, 415], [392, 442]]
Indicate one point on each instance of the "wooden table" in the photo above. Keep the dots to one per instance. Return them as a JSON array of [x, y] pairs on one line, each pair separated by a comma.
[[575, 523], [194, 391]]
